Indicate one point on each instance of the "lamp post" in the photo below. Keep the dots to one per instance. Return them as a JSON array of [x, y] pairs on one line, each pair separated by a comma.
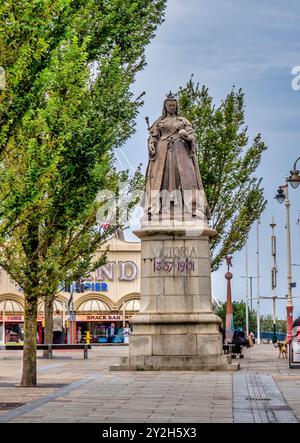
[[251, 286], [3, 323], [283, 196], [124, 313], [247, 277], [229, 314], [274, 277], [247, 293], [258, 286], [70, 313], [246, 304], [251, 277]]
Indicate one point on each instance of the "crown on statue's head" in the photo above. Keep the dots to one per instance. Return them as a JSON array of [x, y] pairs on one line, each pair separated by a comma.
[[170, 96]]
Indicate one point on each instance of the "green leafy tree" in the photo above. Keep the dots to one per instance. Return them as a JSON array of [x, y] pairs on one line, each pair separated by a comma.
[[281, 326], [239, 318], [239, 315], [266, 324], [67, 105], [227, 163]]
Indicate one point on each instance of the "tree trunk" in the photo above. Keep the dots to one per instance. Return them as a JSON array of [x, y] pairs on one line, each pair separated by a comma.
[[30, 331], [48, 330]]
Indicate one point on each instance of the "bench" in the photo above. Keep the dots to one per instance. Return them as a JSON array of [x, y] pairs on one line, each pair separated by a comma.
[[50, 348], [234, 349]]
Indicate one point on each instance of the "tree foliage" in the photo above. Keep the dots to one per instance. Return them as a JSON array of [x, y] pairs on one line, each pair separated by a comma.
[[239, 318], [239, 315], [67, 104], [266, 324], [227, 163]]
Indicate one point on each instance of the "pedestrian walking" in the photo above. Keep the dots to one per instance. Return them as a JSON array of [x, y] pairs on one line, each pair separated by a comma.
[[112, 331], [79, 334], [57, 328], [126, 332], [252, 337]]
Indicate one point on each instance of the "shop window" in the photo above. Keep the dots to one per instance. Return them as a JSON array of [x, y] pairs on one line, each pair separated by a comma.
[[56, 305], [10, 306], [93, 305], [133, 305]]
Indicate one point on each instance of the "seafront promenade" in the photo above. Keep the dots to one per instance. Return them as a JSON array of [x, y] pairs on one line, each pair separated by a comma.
[[71, 389]]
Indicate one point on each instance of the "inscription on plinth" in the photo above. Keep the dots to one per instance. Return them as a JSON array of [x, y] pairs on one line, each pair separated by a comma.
[[166, 252], [179, 265]]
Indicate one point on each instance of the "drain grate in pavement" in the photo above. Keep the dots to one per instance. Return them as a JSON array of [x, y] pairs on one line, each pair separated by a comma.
[[6, 406], [258, 398]]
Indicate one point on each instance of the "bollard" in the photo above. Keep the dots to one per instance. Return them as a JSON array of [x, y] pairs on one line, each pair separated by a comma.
[[50, 352], [87, 337]]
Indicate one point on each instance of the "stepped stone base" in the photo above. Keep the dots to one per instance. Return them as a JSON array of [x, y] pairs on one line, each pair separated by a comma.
[[177, 363]]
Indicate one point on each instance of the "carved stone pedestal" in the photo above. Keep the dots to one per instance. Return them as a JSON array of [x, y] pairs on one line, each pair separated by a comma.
[[175, 328]]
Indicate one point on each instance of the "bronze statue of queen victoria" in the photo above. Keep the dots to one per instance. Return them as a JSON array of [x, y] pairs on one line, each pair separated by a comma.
[[173, 168]]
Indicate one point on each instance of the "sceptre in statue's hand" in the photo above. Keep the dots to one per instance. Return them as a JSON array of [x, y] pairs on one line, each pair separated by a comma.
[[148, 124], [151, 146]]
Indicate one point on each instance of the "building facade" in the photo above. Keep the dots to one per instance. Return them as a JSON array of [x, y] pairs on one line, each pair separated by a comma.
[[111, 294]]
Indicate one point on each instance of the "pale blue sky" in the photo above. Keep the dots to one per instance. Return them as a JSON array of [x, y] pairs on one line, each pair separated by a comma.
[[252, 44]]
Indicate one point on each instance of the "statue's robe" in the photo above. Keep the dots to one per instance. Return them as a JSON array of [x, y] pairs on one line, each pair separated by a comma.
[[174, 165]]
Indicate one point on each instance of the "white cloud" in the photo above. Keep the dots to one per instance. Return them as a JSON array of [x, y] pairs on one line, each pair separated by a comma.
[[249, 37]]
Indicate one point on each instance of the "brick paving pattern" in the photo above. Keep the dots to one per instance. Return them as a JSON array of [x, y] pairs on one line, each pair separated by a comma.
[[75, 390]]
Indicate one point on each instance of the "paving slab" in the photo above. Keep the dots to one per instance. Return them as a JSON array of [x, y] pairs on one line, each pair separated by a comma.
[[77, 390]]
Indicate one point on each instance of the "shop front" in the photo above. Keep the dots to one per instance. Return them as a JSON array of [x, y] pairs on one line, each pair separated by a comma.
[[104, 320], [12, 328], [99, 326], [103, 302], [11, 319]]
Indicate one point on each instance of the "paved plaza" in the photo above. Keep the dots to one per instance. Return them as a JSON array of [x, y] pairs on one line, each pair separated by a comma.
[[71, 389]]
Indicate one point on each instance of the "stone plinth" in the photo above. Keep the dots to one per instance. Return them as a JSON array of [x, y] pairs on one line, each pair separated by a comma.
[[175, 328]]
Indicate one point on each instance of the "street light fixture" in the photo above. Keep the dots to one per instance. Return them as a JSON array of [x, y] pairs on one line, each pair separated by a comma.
[[294, 178], [283, 196], [280, 196]]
